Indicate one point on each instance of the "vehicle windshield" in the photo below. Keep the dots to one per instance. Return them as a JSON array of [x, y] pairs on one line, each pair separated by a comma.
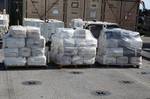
[[112, 26], [95, 29]]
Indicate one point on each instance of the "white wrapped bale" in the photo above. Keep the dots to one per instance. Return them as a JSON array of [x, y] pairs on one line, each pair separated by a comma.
[[17, 31], [122, 60], [77, 60], [70, 51], [89, 61], [112, 43], [106, 60], [69, 42], [64, 33], [80, 33], [77, 23], [25, 52], [38, 51], [13, 52], [14, 42], [87, 51], [33, 32], [36, 61], [36, 43], [136, 60], [15, 61], [114, 52]]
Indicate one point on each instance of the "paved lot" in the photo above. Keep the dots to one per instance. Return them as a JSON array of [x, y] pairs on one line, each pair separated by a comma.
[[62, 84]]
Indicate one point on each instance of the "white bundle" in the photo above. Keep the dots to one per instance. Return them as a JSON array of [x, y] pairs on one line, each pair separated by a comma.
[[114, 52], [122, 60], [36, 61], [64, 60], [13, 52], [25, 52], [36, 43], [11, 42], [33, 32], [77, 23], [38, 51], [15, 61], [136, 60], [77, 60], [17, 31]]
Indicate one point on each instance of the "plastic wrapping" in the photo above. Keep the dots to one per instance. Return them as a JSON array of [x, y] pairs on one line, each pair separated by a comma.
[[116, 46], [36, 43], [11, 42], [24, 45], [36, 61], [73, 47], [17, 31], [15, 61], [33, 32], [77, 23], [25, 52], [13, 52]]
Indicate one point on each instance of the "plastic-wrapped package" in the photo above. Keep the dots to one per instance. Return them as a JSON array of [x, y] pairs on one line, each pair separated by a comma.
[[13, 52], [77, 23], [114, 52], [122, 60], [38, 51], [69, 48], [25, 52], [15, 61], [135, 60], [36, 43], [11, 42], [33, 32], [119, 44], [36, 61], [106, 60], [77, 60], [17, 31]]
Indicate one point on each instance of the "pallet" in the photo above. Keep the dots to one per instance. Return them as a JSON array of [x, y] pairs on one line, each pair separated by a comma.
[[120, 65], [74, 66], [25, 67]]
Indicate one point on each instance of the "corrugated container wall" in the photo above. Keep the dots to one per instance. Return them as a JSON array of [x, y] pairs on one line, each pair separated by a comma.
[[92, 10], [54, 9], [74, 9], [123, 12], [41, 8]]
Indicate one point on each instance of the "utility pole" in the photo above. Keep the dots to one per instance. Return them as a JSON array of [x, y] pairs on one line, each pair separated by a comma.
[[45, 10]]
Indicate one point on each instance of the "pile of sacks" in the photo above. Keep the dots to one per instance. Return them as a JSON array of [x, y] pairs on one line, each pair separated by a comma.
[[48, 28], [73, 47], [24, 46], [4, 23], [119, 47]]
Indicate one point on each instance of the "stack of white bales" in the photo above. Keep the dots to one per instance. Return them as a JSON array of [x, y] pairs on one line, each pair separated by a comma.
[[4, 23], [48, 28], [119, 47], [24, 46], [73, 47]]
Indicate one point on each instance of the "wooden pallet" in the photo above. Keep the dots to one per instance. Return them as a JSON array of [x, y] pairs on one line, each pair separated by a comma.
[[74, 66]]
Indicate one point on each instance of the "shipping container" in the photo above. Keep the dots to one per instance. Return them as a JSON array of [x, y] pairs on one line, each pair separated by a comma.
[[74, 9], [54, 9], [123, 12], [43, 9], [92, 10], [35, 8]]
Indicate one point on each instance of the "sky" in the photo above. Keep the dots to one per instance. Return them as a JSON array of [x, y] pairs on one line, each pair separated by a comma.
[[147, 4]]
